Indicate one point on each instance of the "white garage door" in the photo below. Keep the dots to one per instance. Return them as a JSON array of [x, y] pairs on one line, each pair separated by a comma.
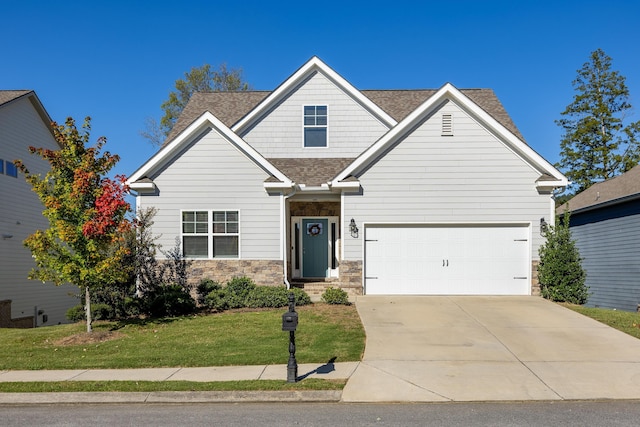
[[447, 260]]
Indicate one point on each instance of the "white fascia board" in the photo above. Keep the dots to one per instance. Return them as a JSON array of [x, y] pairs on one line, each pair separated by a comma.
[[142, 186], [349, 185], [204, 121], [277, 185], [311, 66], [448, 91], [552, 184]]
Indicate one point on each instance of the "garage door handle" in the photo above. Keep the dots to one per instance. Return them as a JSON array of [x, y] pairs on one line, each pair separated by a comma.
[[520, 277], [370, 277]]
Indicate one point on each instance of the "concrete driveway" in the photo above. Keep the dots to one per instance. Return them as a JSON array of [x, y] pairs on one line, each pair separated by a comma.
[[439, 349]]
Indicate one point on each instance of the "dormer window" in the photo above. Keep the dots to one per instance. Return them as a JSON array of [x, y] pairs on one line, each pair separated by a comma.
[[315, 125]]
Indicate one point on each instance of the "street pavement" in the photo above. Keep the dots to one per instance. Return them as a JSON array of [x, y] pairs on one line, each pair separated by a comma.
[[420, 349]]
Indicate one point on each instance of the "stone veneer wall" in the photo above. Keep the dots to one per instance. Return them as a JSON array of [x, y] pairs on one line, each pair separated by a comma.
[[262, 272], [535, 283], [351, 277], [7, 322]]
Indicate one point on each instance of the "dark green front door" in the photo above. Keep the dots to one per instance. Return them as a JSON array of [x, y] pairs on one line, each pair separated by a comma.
[[315, 247]]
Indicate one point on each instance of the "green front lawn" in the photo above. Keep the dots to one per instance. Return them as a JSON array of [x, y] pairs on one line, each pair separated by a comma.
[[230, 338], [625, 321]]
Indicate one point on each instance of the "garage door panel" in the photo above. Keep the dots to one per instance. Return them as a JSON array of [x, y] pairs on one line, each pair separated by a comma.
[[447, 260]]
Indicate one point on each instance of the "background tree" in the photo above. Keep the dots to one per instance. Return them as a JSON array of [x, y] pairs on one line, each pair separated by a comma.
[[199, 79], [596, 144], [86, 211], [560, 271]]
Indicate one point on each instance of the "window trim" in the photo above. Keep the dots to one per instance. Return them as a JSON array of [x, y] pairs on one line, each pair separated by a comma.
[[210, 234], [316, 126]]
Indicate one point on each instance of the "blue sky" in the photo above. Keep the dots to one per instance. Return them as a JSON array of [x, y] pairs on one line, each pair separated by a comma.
[[116, 61]]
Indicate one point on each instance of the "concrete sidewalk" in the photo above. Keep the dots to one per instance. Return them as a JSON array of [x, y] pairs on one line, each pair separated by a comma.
[[210, 374], [328, 371]]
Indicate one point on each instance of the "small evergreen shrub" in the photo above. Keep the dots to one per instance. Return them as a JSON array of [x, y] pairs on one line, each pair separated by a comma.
[[240, 286], [172, 300], [335, 296], [302, 298], [268, 296], [99, 311], [560, 271], [217, 300], [204, 288]]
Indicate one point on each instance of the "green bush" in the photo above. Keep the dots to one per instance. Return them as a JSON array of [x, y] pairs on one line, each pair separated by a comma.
[[172, 300], [560, 271], [240, 286], [217, 300], [302, 298], [99, 311], [268, 296], [204, 288], [335, 296]]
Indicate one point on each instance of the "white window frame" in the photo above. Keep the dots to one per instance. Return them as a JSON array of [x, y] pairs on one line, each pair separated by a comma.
[[210, 234], [325, 126]]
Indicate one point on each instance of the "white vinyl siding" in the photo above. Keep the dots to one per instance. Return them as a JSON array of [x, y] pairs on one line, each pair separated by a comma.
[[352, 129], [470, 178], [21, 215], [213, 175]]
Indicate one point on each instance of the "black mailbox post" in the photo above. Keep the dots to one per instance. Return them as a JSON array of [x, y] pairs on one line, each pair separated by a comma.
[[290, 323]]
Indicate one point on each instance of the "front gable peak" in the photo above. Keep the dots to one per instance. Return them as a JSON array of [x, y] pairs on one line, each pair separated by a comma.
[[312, 66]]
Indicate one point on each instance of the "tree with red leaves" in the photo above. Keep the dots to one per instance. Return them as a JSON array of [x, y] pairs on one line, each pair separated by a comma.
[[84, 244]]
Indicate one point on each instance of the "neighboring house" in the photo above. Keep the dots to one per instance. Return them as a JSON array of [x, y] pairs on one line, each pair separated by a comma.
[[605, 223], [24, 302], [320, 184]]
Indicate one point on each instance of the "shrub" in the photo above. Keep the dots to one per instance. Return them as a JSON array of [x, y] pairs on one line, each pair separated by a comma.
[[98, 312], [560, 272], [268, 296], [302, 298], [204, 288], [335, 296], [217, 300], [172, 300], [240, 286]]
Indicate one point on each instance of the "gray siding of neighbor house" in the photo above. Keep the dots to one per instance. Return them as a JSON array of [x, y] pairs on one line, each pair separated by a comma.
[[609, 243], [351, 129], [21, 215], [195, 181], [471, 177]]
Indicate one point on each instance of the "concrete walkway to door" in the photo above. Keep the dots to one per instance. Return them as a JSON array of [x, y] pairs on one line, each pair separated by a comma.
[[439, 349]]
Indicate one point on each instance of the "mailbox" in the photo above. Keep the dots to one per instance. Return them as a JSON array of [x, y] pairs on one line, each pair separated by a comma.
[[289, 321]]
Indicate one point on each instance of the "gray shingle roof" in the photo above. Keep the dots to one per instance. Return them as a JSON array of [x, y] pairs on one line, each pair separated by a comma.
[[230, 107], [311, 172], [10, 95], [620, 187]]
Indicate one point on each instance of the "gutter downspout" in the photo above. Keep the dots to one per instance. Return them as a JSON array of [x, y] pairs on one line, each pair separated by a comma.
[[284, 229]]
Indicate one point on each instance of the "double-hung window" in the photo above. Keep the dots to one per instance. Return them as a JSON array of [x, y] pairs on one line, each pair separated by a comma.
[[210, 234], [195, 234], [315, 125], [225, 234]]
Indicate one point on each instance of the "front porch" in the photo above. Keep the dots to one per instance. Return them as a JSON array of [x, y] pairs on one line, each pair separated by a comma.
[[314, 238]]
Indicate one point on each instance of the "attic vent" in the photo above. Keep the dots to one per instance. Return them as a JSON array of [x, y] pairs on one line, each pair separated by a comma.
[[447, 125]]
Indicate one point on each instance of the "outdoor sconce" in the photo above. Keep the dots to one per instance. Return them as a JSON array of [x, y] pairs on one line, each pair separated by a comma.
[[544, 227], [353, 228]]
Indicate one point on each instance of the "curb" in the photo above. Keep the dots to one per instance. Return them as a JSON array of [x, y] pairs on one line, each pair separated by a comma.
[[170, 397]]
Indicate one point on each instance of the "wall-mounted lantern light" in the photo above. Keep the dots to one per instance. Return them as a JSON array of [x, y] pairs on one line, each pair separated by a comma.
[[544, 227], [353, 228]]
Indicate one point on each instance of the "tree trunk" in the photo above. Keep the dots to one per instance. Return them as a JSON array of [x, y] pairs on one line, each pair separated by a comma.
[[87, 308]]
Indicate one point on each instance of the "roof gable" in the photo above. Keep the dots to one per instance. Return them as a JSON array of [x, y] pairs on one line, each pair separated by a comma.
[[614, 190], [449, 92], [314, 65], [206, 120]]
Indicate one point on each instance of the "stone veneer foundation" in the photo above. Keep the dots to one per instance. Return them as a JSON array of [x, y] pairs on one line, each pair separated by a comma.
[[262, 272], [535, 283]]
